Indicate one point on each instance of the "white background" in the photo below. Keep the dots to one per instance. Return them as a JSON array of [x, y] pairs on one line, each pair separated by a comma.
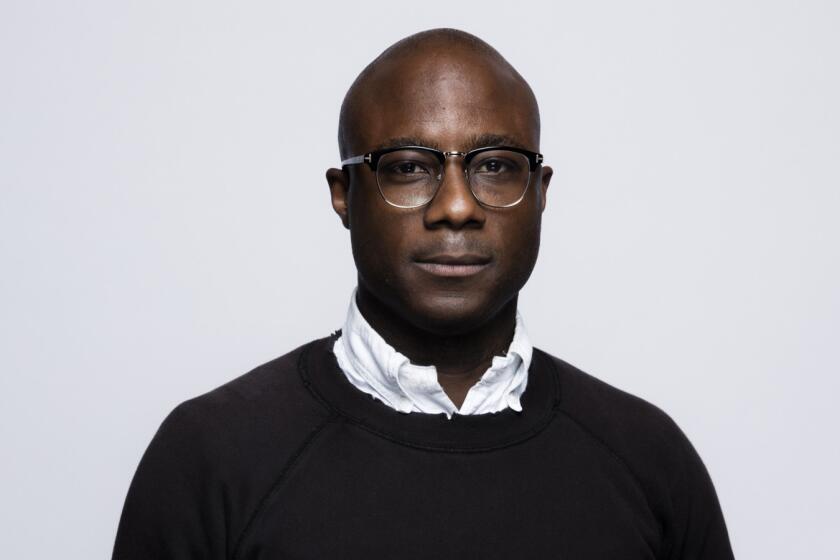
[[165, 226]]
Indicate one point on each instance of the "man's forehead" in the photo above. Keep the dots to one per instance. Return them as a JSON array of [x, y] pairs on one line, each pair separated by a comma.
[[448, 130], [447, 116], [438, 86]]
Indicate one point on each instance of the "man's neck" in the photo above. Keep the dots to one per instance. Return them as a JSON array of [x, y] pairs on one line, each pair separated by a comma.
[[460, 359]]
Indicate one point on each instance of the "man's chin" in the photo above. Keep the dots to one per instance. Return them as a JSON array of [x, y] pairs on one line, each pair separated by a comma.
[[449, 313]]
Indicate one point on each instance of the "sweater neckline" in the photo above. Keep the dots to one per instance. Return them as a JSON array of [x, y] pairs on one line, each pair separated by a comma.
[[322, 375]]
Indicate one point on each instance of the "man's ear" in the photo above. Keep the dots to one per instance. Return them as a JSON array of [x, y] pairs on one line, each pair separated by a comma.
[[339, 182], [545, 174]]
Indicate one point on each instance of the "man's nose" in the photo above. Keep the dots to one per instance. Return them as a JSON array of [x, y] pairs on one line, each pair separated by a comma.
[[454, 204]]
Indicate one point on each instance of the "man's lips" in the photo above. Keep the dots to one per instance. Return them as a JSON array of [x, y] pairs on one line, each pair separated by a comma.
[[452, 265]]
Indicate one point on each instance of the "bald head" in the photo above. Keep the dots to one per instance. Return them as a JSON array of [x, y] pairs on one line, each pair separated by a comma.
[[434, 63]]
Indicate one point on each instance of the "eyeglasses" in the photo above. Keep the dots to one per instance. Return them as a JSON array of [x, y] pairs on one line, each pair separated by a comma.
[[410, 176]]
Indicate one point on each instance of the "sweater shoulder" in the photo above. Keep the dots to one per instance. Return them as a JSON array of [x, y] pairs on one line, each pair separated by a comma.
[[640, 434], [214, 458], [270, 399], [658, 455]]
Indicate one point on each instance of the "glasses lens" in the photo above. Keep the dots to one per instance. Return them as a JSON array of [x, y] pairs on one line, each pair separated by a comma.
[[499, 177], [408, 178]]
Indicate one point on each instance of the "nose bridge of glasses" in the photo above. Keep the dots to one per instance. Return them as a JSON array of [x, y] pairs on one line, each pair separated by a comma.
[[454, 154], [462, 164]]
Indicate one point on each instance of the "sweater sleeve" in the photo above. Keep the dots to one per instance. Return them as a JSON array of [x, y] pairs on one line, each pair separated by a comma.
[[697, 529], [175, 506]]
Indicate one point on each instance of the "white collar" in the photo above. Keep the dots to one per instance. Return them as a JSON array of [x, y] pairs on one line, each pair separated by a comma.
[[375, 367]]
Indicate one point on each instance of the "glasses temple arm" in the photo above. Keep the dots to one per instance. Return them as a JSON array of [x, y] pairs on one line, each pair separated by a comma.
[[356, 159]]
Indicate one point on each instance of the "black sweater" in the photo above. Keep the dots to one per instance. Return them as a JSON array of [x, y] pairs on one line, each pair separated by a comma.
[[291, 461]]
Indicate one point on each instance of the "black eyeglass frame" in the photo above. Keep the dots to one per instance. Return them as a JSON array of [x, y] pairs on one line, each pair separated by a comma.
[[372, 160]]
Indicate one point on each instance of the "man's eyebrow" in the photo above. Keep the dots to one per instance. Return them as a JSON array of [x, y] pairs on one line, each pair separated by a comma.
[[406, 141], [473, 142], [482, 140]]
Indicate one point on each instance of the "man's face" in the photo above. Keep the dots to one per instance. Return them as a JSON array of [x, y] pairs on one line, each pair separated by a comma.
[[453, 103]]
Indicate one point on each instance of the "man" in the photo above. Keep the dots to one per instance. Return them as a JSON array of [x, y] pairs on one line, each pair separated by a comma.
[[429, 427]]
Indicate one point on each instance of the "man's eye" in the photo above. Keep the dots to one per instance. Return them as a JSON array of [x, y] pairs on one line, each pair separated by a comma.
[[492, 166], [408, 168]]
